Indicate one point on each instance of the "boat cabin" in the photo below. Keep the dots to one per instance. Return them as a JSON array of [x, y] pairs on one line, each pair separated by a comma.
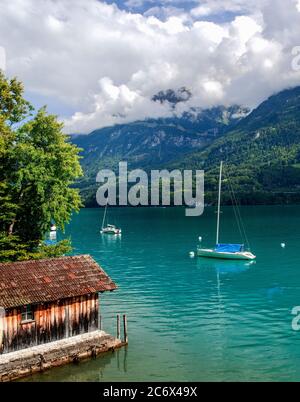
[[46, 300]]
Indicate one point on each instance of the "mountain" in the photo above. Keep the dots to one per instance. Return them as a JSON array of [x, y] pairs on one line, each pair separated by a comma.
[[261, 153], [153, 143], [261, 149]]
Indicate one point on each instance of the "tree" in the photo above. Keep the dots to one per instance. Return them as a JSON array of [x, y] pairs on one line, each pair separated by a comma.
[[37, 169]]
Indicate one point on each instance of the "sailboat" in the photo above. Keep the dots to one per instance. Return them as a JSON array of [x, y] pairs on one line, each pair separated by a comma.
[[109, 229], [224, 251]]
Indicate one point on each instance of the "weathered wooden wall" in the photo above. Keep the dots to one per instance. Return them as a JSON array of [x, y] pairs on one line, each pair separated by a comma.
[[52, 321]]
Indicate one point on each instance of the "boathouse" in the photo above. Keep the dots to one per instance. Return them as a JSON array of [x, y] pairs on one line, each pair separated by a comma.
[[48, 300]]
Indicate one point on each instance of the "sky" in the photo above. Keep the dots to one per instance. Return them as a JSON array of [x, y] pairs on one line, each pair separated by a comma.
[[97, 63]]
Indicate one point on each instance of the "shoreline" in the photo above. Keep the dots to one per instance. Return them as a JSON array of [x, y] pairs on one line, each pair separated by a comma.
[[37, 359]]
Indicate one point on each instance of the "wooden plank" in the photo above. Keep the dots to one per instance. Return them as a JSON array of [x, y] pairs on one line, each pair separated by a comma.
[[125, 328], [118, 326]]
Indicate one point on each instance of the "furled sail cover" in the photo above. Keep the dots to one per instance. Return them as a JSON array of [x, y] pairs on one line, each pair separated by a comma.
[[229, 248]]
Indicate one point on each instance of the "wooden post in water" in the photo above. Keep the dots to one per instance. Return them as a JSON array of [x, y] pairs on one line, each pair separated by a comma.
[[125, 328], [118, 326], [100, 322]]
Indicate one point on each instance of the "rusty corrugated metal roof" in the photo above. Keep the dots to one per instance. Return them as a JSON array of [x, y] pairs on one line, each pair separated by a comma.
[[53, 279]]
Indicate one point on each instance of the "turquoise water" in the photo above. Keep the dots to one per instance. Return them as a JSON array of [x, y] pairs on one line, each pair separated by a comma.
[[194, 319]]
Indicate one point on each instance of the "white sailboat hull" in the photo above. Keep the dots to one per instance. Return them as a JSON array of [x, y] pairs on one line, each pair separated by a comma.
[[111, 231], [209, 253]]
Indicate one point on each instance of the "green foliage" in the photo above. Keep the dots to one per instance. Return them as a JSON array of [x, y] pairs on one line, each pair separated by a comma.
[[37, 169], [44, 251], [13, 107], [12, 249]]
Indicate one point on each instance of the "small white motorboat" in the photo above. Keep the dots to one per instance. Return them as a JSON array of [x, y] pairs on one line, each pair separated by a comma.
[[225, 251]]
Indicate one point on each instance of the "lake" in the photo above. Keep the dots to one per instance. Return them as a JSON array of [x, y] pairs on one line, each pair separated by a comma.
[[192, 319]]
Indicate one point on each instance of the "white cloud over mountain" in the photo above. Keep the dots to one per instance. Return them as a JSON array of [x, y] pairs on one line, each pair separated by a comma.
[[106, 63]]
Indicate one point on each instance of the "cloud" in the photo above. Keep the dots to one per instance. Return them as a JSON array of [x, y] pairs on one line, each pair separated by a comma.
[[164, 13], [209, 7], [114, 104], [134, 3], [2, 58], [105, 64], [138, 4]]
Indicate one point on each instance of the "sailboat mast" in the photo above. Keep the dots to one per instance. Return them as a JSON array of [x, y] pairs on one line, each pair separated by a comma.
[[104, 216], [219, 203]]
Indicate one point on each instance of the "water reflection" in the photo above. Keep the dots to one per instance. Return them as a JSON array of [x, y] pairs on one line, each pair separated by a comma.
[[90, 370], [225, 267], [222, 269], [120, 357], [122, 360], [109, 239]]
